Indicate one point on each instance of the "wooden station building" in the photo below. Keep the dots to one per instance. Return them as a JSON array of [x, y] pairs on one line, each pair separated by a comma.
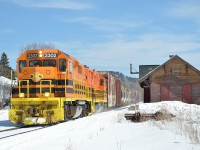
[[175, 79]]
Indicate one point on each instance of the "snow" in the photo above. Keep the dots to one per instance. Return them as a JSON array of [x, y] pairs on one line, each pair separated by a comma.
[[4, 121], [4, 80], [111, 131]]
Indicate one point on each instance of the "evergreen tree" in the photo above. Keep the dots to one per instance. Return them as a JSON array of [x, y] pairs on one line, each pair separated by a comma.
[[4, 60]]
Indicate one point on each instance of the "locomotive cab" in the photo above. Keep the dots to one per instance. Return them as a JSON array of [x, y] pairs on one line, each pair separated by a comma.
[[37, 72]]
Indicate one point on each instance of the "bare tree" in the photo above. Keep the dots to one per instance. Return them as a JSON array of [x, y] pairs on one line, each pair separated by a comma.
[[39, 45]]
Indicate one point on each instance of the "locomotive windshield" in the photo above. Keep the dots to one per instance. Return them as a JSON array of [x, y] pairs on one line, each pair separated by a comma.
[[46, 63], [49, 63], [33, 63]]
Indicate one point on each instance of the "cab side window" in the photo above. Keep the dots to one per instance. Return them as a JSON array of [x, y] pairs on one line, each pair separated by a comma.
[[22, 64], [101, 82], [70, 67], [49, 63], [62, 65]]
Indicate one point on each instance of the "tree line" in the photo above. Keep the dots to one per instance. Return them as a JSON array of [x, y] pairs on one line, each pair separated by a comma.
[[5, 69]]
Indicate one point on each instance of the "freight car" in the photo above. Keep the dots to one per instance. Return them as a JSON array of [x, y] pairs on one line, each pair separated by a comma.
[[113, 89], [53, 87]]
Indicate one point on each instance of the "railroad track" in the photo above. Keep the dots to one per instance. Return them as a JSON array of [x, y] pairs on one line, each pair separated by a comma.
[[19, 131], [10, 129], [32, 128]]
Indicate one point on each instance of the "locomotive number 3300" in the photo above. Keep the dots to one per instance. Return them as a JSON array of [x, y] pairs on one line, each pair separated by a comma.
[[50, 55]]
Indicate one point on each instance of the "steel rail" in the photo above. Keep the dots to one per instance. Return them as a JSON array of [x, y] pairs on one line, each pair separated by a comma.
[[23, 132]]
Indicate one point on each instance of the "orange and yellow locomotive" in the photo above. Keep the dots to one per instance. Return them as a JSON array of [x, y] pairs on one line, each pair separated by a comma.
[[52, 87]]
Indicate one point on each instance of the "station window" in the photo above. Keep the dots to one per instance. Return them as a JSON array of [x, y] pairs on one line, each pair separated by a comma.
[[62, 65], [176, 69], [51, 63], [22, 64], [33, 63]]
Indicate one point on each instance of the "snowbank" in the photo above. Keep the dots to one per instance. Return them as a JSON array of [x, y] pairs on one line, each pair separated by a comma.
[[111, 131], [4, 80]]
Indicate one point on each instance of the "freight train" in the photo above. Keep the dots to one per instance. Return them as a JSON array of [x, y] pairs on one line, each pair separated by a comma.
[[53, 86]]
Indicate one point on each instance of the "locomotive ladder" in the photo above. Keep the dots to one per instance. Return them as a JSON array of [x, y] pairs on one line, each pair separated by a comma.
[[50, 83], [27, 85]]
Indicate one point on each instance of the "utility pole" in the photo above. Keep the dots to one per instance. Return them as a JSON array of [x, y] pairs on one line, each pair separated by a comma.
[[136, 103]]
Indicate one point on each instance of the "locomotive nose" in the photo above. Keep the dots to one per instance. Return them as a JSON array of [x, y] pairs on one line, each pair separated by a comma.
[[36, 76]]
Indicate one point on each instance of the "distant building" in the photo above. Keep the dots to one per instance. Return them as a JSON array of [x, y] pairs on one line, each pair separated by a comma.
[[176, 79]]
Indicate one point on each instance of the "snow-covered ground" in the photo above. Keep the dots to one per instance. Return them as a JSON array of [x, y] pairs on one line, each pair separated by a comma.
[[111, 131], [4, 80]]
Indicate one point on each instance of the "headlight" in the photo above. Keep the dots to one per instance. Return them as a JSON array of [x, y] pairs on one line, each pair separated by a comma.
[[40, 53], [46, 94], [21, 95]]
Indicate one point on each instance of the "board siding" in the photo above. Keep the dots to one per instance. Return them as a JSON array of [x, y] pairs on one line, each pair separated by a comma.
[[176, 93], [155, 93], [196, 93], [165, 96]]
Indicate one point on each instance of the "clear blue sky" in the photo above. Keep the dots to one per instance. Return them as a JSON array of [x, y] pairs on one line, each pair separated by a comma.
[[104, 34]]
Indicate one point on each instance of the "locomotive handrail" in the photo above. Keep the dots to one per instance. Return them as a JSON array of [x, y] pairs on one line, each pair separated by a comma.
[[50, 81], [84, 88], [65, 83], [14, 82], [11, 76], [27, 84], [74, 86]]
